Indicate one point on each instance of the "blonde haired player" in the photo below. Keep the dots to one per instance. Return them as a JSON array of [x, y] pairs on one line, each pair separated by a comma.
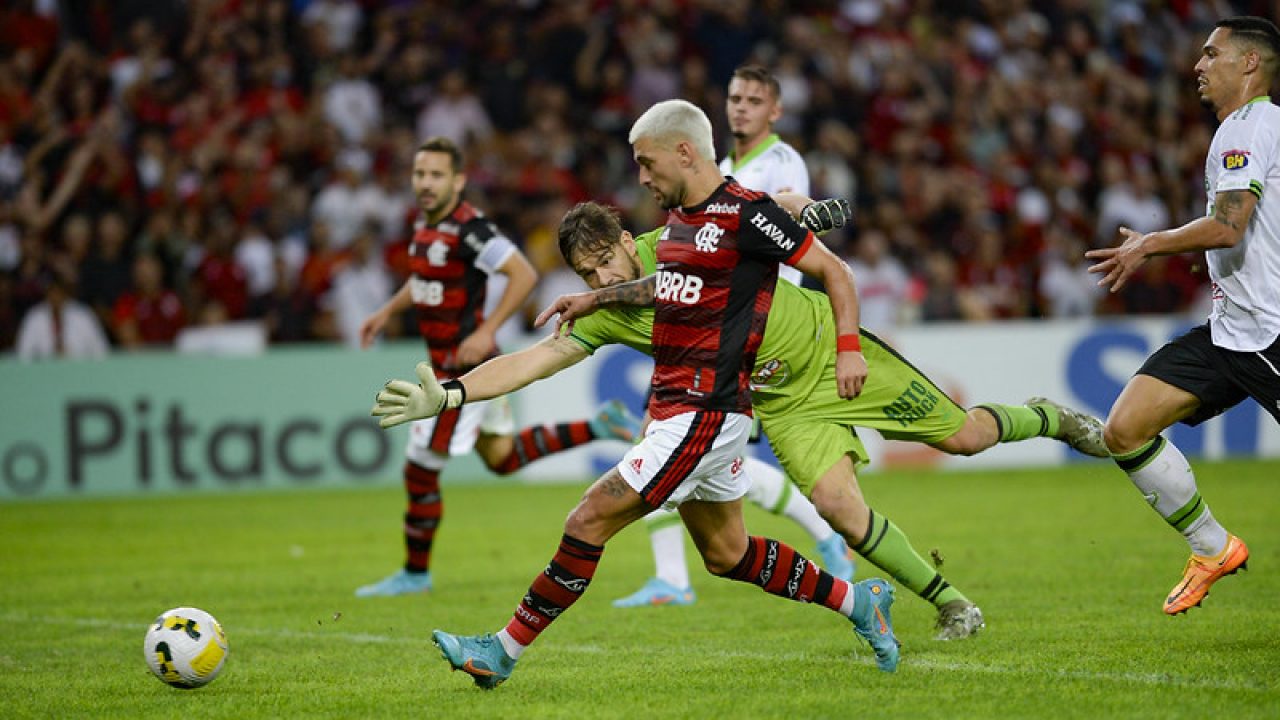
[[762, 161]]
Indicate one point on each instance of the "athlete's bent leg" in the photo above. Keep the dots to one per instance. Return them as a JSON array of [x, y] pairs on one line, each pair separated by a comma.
[[607, 506], [1158, 469], [774, 492], [876, 538], [504, 454], [718, 532], [991, 423]]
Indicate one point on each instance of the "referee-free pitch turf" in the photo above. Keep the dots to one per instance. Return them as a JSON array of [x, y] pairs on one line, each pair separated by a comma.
[[1069, 565]]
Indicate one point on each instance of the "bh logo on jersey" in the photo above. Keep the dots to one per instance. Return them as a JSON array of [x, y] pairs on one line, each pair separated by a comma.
[[707, 239], [675, 287], [1235, 159]]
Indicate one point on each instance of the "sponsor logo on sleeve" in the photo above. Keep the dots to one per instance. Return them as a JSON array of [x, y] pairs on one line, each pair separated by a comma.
[[1235, 159], [772, 231], [474, 242]]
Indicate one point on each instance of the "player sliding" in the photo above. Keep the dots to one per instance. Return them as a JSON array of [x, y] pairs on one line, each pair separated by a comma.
[[720, 253]]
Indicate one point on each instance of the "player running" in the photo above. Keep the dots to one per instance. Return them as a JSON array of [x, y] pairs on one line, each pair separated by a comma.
[[759, 160], [1236, 354], [718, 262], [454, 250]]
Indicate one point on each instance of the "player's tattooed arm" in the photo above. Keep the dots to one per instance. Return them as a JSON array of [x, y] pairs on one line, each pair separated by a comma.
[[568, 308], [1233, 209], [635, 292]]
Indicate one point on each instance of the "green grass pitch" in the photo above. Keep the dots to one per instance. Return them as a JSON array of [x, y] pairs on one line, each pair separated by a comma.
[[1069, 565]]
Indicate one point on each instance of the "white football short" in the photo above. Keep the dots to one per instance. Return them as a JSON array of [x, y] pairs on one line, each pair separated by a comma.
[[434, 440], [692, 456]]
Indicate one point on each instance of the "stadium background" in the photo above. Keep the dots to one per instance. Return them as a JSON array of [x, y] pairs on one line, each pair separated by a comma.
[[256, 155]]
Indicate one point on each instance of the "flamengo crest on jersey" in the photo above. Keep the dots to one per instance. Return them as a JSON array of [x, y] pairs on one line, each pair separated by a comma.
[[707, 236], [1245, 157]]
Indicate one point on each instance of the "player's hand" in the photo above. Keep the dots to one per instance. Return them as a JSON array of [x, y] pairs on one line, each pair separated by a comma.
[[851, 374], [1119, 263], [477, 346], [401, 401], [569, 308], [826, 215], [370, 328]]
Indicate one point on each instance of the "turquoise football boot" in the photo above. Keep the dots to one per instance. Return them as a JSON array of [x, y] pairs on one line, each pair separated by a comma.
[[480, 656], [871, 621]]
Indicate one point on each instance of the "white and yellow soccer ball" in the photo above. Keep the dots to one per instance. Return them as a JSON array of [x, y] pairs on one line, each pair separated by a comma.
[[185, 647]]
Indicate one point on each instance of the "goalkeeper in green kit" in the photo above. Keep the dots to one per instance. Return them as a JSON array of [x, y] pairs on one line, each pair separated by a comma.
[[811, 428]]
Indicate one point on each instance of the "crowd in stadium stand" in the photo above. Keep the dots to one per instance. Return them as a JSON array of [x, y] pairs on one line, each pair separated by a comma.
[[176, 163]]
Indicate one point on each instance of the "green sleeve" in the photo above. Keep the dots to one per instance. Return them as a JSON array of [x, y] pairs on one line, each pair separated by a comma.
[[632, 327]]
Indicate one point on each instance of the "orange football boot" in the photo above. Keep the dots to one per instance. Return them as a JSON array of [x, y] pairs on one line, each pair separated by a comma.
[[1201, 572]]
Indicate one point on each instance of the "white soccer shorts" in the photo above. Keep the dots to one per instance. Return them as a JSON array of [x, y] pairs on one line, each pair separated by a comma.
[[433, 441], [692, 456]]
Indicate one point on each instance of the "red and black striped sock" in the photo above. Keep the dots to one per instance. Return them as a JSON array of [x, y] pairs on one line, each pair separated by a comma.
[[782, 571], [537, 441], [423, 516], [558, 587]]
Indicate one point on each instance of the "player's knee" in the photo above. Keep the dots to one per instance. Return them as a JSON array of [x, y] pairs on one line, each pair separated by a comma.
[[499, 466], [1121, 437], [588, 523], [719, 562]]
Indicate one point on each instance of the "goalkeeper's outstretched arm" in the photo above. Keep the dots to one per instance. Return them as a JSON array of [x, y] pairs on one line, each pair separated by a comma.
[[401, 401], [508, 373]]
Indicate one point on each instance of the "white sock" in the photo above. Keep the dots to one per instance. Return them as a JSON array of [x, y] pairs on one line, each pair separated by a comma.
[[846, 606], [1164, 478], [513, 648], [666, 535], [771, 490]]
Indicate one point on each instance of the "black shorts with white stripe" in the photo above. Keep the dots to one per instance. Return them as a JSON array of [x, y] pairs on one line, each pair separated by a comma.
[[1220, 378]]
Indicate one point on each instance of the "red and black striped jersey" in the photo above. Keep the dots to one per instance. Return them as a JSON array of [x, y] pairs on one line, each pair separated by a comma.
[[717, 269], [449, 264]]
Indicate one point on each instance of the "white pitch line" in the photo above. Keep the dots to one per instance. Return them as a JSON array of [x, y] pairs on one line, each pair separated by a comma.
[[1154, 679]]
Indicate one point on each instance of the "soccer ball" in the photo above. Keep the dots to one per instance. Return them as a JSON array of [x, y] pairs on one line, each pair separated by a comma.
[[185, 647]]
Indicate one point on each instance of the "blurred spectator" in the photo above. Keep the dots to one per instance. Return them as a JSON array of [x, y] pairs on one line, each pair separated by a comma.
[[346, 203], [255, 254], [148, 313], [884, 287], [60, 326], [105, 272], [455, 112], [1129, 201], [352, 104], [219, 284], [1067, 289], [360, 287], [339, 20]]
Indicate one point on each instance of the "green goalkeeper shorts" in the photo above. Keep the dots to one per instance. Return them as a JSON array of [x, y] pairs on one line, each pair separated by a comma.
[[811, 427]]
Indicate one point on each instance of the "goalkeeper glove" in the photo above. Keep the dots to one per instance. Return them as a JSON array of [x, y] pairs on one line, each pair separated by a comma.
[[401, 401], [826, 215]]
